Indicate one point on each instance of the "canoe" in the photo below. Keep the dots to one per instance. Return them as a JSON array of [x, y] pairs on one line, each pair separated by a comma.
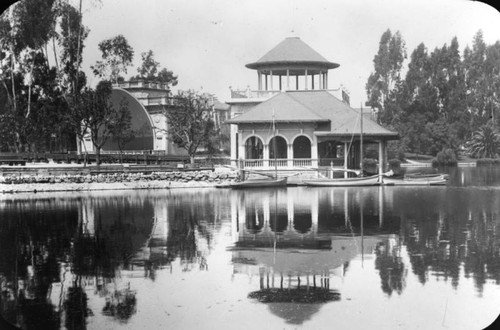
[[429, 181], [259, 183], [343, 182]]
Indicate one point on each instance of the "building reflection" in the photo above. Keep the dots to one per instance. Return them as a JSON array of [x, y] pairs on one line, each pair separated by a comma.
[[297, 245]]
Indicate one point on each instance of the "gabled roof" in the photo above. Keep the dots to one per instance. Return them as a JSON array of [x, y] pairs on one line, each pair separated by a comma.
[[292, 51], [284, 108], [344, 119], [313, 106]]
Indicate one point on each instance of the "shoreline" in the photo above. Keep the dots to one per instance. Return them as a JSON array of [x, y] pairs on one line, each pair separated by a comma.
[[116, 181], [103, 186]]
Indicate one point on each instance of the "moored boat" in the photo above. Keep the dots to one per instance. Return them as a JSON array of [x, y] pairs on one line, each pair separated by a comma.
[[259, 183], [434, 180], [343, 182]]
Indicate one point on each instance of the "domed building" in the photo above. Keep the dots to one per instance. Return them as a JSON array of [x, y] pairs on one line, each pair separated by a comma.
[[295, 112], [147, 102]]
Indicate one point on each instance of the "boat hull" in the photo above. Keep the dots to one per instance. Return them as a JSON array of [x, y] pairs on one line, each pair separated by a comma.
[[343, 182], [431, 181], [264, 183]]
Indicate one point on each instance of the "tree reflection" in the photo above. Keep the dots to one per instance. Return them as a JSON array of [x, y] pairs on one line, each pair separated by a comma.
[[391, 268], [456, 238]]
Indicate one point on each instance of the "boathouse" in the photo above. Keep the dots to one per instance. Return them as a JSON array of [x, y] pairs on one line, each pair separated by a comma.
[[294, 120]]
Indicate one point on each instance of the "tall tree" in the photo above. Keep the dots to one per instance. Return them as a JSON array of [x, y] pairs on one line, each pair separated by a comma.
[[476, 83], [388, 63], [117, 55], [94, 114], [150, 70], [189, 123]]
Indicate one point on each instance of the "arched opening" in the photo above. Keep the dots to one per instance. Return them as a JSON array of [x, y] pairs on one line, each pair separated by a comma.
[[301, 147], [140, 124], [281, 148], [254, 148]]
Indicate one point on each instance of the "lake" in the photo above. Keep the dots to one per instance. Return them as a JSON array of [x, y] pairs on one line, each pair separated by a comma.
[[298, 257]]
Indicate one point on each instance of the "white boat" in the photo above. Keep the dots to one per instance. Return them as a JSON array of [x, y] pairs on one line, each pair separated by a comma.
[[343, 182], [427, 180]]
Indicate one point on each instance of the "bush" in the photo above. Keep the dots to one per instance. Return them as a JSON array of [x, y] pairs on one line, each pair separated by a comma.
[[488, 161], [395, 150], [395, 166], [370, 165], [445, 157]]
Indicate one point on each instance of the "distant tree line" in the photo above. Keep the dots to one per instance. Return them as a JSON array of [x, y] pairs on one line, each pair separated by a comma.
[[441, 101]]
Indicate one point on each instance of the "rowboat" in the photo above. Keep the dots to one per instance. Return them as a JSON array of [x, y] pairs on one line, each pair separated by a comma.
[[421, 180], [259, 183], [343, 182]]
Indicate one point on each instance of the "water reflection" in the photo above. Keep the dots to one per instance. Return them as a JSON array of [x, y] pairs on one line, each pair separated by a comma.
[[303, 244], [69, 259]]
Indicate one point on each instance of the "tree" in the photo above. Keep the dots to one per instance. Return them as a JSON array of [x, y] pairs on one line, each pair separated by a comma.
[[485, 143], [117, 55], [121, 129], [476, 83], [150, 70], [387, 65], [189, 123], [94, 114]]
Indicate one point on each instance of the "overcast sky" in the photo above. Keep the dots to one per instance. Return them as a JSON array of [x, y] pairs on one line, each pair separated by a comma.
[[208, 42]]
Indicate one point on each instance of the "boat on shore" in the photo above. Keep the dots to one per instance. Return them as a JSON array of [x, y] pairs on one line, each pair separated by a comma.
[[343, 182]]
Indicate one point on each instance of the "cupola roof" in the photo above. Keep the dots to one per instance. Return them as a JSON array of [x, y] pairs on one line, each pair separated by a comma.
[[292, 51]]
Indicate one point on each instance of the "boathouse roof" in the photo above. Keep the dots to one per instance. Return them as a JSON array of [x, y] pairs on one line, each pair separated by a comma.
[[313, 106], [291, 51]]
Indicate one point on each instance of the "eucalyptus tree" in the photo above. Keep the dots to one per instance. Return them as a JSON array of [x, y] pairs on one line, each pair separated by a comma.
[[150, 70], [117, 55], [476, 82], [94, 114], [30, 85], [388, 63]]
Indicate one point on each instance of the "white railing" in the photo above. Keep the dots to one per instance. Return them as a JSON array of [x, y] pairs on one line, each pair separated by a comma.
[[302, 162], [280, 163]]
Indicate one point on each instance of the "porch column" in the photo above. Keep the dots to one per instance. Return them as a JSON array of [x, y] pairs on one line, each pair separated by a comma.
[[287, 79], [241, 147], [271, 73], [305, 76], [259, 75], [234, 144], [326, 80], [290, 156], [266, 155], [314, 152], [381, 158], [346, 157]]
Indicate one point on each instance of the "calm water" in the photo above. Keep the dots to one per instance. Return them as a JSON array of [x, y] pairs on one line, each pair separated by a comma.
[[314, 258]]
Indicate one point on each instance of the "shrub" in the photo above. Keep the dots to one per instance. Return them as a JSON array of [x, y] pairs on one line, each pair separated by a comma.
[[395, 166], [370, 165], [445, 157], [488, 161]]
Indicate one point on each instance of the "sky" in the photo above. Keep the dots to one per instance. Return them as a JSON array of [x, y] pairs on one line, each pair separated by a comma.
[[208, 42]]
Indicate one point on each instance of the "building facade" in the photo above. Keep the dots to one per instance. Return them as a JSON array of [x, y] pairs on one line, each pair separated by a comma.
[[294, 120], [147, 102]]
